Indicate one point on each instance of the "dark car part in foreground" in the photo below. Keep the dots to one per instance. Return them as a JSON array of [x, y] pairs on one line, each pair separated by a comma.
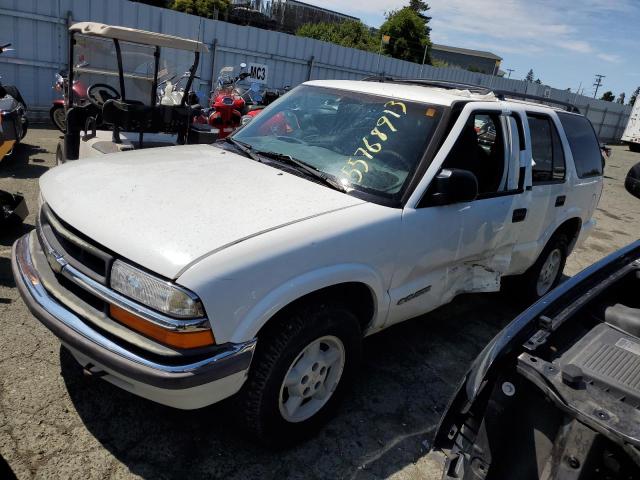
[[13, 208], [632, 182], [556, 394]]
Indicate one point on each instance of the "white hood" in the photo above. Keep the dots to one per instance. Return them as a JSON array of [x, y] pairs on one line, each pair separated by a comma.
[[165, 208]]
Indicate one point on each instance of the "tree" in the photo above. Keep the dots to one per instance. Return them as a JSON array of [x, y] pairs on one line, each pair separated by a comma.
[[203, 8], [538, 81], [608, 96], [529, 77], [621, 97], [351, 34], [634, 95], [421, 7], [409, 35]]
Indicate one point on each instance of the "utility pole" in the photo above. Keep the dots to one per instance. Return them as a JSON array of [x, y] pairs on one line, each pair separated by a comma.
[[509, 70], [424, 57], [598, 83]]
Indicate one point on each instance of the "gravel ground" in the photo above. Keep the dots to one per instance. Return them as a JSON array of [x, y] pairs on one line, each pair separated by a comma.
[[54, 423]]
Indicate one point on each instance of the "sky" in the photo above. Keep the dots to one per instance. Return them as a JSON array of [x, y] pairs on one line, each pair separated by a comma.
[[565, 42]]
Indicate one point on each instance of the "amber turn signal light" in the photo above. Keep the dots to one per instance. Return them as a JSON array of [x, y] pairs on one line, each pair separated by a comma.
[[170, 338]]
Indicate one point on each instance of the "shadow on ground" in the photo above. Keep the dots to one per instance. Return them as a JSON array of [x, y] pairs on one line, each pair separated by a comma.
[[19, 165], [408, 374]]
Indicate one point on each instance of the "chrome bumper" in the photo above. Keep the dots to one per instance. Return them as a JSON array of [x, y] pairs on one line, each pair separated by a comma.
[[74, 332]]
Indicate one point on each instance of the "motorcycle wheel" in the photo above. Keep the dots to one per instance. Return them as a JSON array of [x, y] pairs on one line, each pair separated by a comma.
[[25, 128], [57, 116]]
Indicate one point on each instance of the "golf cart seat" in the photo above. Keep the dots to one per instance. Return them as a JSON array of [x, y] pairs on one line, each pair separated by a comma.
[[128, 115], [133, 116]]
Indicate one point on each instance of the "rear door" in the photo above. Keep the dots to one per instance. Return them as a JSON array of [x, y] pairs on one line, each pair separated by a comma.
[[548, 181]]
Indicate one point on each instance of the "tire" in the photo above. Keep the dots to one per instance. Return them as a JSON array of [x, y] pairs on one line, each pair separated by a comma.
[[59, 155], [528, 286], [266, 403], [632, 181], [25, 128], [634, 147], [56, 114]]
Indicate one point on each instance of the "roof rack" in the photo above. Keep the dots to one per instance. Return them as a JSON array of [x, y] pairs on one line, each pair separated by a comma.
[[502, 94], [431, 83]]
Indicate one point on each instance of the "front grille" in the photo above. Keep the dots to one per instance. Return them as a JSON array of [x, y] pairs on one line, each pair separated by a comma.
[[91, 259]]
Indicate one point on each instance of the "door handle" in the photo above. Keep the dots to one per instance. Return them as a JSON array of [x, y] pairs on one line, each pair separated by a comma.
[[560, 200], [519, 214]]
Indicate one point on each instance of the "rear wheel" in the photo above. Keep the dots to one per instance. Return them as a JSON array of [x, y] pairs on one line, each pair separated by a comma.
[[58, 118], [634, 147], [300, 372], [546, 273]]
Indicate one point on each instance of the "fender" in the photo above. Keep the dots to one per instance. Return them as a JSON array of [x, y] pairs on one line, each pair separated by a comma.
[[310, 282], [58, 101], [573, 212], [533, 249]]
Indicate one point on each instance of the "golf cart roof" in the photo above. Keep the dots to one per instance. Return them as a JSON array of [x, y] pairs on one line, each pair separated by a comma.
[[137, 36]]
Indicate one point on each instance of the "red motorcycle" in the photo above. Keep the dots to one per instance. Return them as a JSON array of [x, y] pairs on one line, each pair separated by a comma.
[[57, 112], [228, 105]]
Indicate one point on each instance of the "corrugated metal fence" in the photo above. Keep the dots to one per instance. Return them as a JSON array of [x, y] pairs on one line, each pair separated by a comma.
[[37, 29]]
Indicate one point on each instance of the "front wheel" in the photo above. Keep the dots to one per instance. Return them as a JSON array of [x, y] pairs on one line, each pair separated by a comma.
[[300, 372]]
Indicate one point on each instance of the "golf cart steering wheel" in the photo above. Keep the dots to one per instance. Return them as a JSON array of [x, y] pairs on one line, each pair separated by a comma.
[[99, 93]]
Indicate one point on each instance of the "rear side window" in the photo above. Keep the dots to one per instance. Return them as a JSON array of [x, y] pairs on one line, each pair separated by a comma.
[[546, 149], [584, 144]]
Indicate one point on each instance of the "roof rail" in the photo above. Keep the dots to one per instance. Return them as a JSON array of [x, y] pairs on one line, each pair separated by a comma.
[[502, 94], [431, 83]]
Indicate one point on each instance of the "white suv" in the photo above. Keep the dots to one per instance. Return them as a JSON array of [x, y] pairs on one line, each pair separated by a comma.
[[256, 266]]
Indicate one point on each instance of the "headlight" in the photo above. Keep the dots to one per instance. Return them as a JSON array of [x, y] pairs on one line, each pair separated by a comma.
[[154, 292]]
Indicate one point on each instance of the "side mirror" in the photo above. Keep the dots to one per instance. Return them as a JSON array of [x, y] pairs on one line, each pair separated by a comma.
[[452, 185], [632, 182]]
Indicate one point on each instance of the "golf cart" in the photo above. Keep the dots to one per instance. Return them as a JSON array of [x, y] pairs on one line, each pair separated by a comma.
[[124, 69]]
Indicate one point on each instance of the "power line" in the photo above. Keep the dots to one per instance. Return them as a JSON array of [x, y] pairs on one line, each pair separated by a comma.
[[598, 83], [509, 70]]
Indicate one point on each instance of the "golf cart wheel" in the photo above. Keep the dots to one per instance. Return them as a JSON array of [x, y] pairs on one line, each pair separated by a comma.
[[301, 369], [57, 116], [59, 155], [634, 147], [544, 275]]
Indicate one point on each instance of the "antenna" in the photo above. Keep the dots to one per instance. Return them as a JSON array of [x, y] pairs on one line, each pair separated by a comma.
[[598, 83]]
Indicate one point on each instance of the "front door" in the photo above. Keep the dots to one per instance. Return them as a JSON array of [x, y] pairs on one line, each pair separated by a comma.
[[463, 247]]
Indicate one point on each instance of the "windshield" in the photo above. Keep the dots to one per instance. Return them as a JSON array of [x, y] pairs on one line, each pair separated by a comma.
[[367, 142], [95, 61]]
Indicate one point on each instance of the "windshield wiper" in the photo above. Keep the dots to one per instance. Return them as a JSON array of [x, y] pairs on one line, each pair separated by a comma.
[[244, 148], [304, 167]]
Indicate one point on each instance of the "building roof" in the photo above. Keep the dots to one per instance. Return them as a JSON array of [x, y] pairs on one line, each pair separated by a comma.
[[465, 51], [322, 9]]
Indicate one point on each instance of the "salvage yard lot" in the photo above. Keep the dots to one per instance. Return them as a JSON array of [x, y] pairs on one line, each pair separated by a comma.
[[54, 423]]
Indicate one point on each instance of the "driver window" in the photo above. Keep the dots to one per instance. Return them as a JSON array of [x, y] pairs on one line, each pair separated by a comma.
[[480, 149]]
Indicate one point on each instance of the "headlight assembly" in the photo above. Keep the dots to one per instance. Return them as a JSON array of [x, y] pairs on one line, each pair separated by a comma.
[[155, 293]]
